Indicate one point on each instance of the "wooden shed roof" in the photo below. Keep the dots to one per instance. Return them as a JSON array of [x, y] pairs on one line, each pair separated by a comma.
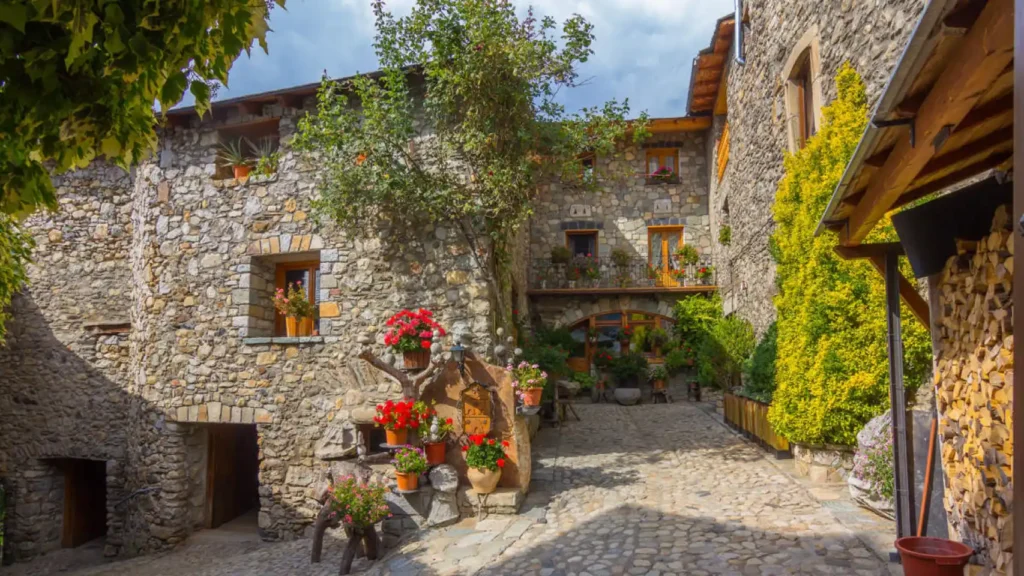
[[709, 70], [945, 116]]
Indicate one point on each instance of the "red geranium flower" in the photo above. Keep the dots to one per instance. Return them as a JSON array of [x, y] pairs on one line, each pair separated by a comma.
[[504, 443], [501, 462], [448, 421], [425, 344], [465, 448], [491, 441]]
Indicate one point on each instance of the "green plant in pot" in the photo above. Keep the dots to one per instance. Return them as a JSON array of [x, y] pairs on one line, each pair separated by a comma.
[[628, 369], [658, 376], [688, 254], [267, 154], [621, 257], [560, 255], [231, 154], [656, 338]]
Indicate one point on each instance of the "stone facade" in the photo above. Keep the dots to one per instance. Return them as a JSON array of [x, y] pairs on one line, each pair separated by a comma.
[[871, 36]]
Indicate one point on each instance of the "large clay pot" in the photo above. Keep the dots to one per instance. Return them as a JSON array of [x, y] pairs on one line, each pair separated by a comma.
[[435, 452], [416, 360], [407, 481], [291, 326], [627, 396], [658, 384], [397, 437], [241, 171], [484, 481], [532, 396], [305, 327]]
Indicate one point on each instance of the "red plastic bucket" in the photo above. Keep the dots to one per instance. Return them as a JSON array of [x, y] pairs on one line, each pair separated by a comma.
[[924, 556]]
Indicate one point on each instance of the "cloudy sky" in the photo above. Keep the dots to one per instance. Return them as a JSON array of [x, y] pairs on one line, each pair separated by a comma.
[[643, 49]]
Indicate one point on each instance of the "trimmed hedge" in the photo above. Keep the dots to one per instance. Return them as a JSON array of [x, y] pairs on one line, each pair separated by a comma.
[[832, 368]]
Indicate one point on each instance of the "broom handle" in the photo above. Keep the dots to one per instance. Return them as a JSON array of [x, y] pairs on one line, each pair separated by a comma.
[[926, 493]]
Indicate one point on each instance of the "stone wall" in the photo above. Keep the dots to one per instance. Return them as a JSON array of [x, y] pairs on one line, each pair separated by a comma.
[[870, 35], [624, 203], [203, 257], [66, 357]]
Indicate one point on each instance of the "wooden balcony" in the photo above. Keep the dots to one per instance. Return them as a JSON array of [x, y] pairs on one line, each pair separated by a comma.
[[602, 276]]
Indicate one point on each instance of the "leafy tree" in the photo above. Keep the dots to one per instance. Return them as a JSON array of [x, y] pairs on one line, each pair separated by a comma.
[[460, 126], [832, 366], [79, 79], [722, 352], [695, 315], [760, 368]]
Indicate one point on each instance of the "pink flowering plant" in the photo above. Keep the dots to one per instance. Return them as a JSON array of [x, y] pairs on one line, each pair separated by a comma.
[[294, 303], [410, 331], [358, 505], [663, 174], [410, 460], [526, 376], [873, 463]]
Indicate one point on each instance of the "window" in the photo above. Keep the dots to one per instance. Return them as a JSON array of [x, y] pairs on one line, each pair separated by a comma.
[[802, 90], [587, 168], [662, 244], [251, 139], [606, 330], [307, 274], [658, 158], [581, 242]]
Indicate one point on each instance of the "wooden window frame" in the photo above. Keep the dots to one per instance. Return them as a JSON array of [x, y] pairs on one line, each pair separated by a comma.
[[280, 270], [666, 278], [803, 95], [661, 153], [722, 154], [592, 322], [594, 231]]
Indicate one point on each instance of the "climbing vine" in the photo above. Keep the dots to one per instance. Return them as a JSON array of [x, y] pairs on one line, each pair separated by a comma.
[[831, 368], [459, 127]]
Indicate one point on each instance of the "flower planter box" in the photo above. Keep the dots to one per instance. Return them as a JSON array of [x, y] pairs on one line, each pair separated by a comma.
[[751, 418]]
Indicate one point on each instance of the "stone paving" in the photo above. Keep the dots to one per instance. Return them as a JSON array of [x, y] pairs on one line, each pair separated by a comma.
[[648, 490]]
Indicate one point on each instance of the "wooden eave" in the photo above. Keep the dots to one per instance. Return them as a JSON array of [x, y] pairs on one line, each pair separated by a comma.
[[960, 104], [709, 70]]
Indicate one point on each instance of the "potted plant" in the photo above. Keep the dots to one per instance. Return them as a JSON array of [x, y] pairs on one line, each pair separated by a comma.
[[560, 255], [410, 333], [656, 339], [625, 335], [409, 463], [358, 505], [621, 258], [296, 309], [230, 154], [688, 254], [572, 274], [397, 418], [627, 370], [652, 275], [705, 273], [267, 155], [529, 381], [484, 458], [434, 431], [663, 174], [658, 376], [679, 275]]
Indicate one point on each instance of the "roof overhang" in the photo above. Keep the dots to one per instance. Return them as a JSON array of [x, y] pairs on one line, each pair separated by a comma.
[[945, 117], [708, 72]]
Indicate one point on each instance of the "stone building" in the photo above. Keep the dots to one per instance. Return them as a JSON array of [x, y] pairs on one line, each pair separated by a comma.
[[792, 50]]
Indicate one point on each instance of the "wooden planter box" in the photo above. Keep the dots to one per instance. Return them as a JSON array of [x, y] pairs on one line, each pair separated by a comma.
[[751, 418]]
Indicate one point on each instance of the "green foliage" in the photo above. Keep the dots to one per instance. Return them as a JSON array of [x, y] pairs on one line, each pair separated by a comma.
[[679, 359], [80, 79], [722, 352], [410, 460], [484, 85], [831, 371], [358, 504], [725, 235], [485, 453], [688, 254], [621, 257], [231, 153], [658, 373], [628, 368], [760, 367], [586, 381], [657, 338], [15, 250], [551, 360], [560, 338], [560, 255], [695, 315]]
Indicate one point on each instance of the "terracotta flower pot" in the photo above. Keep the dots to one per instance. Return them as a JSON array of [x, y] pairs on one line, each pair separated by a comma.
[[397, 437], [305, 327], [484, 481], [659, 384], [291, 326], [435, 452], [241, 171], [416, 360], [532, 396], [407, 481]]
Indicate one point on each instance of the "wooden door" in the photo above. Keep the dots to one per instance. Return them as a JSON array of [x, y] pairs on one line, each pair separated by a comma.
[[85, 501], [662, 244], [232, 482]]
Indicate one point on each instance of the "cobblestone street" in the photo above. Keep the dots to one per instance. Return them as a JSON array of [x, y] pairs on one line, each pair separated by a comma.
[[650, 489]]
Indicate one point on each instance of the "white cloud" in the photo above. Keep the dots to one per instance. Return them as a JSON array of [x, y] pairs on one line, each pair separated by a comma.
[[643, 48]]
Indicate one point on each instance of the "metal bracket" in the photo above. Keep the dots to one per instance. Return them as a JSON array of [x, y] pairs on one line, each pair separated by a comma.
[[898, 122]]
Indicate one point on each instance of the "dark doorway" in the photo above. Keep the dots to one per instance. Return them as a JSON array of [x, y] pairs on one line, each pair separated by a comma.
[[85, 501], [232, 483]]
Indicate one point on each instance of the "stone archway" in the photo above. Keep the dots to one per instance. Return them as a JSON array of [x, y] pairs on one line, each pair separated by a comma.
[[567, 311]]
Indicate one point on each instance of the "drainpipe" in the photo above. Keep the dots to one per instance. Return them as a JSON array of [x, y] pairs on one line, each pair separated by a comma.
[[738, 31]]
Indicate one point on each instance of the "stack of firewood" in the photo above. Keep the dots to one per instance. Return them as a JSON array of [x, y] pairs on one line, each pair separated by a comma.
[[974, 388]]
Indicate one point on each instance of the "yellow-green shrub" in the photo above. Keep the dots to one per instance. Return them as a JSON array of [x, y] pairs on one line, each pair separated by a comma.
[[832, 368]]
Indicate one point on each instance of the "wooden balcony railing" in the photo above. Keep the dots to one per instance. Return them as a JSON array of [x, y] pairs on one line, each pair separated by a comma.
[[602, 274]]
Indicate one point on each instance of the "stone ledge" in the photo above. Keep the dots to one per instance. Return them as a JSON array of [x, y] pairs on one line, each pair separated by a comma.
[[283, 340], [251, 179], [504, 500]]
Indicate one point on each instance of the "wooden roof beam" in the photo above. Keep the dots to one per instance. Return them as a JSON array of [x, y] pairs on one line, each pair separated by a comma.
[[981, 57], [982, 147], [987, 163]]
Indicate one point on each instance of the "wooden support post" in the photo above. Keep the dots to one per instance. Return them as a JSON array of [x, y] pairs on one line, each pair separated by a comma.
[[1018, 281], [903, 465]]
